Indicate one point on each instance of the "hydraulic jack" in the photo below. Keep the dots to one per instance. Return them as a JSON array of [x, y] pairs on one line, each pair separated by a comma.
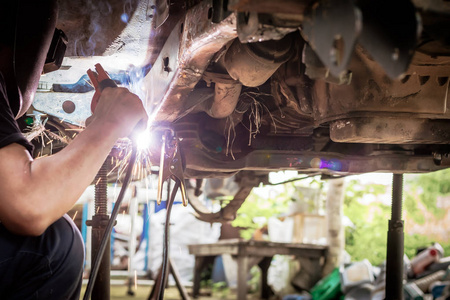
[[394, 257], [99, 222]]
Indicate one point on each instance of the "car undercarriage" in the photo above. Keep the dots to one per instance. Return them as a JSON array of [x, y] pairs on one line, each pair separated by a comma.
[[320, 87]]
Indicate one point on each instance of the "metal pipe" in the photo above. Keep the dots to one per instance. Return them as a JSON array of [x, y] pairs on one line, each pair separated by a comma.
[[226, 97], [395, 252], [252, 64]]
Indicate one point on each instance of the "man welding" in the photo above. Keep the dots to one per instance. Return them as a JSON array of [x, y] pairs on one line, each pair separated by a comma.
[[41, 250]]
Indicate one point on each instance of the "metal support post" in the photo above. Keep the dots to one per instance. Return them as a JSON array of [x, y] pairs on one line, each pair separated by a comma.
[[101, 289], [133, 210], [395, 251]]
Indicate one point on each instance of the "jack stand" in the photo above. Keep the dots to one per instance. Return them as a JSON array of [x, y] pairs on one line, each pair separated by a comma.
[[176, 275], [395, 251], [99, 222]]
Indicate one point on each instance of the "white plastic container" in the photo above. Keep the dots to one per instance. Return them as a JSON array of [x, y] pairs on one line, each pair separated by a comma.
[[425, 258], [280, 231], [356, 274]]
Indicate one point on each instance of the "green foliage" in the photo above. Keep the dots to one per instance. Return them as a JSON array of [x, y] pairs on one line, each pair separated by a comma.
[[431, 186], [415, 241], [273, 201], [370, 225], [257, 207], [220, 290], [413, 211], [368, 237], [255, 280]]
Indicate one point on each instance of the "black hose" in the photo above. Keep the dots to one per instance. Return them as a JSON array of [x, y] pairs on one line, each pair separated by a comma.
[[109, 227], [165, 260]]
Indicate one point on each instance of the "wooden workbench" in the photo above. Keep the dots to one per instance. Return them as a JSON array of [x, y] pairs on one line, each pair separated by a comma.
[[246, 250]]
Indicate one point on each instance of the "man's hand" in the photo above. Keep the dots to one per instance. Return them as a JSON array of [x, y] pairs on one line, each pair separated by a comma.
[[119, 111]]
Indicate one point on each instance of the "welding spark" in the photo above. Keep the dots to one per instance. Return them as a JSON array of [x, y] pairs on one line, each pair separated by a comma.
[[75, 129], [75, 215], [142, 167]]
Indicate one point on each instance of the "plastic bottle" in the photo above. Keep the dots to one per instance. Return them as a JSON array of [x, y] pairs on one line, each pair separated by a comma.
[[425, 258]]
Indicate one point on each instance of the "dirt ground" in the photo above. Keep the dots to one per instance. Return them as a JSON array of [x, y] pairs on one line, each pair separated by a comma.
[[142, 292]]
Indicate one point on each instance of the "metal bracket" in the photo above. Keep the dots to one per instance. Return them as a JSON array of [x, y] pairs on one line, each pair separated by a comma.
[[171, 165], [332, 28]]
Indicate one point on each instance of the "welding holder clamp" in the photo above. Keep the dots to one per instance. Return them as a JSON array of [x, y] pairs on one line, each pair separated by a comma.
[[100, 80], [171, 165]]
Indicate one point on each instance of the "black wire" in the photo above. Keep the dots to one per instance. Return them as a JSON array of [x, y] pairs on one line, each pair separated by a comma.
[[165, 260], [108, 230], [295, 179], [323, 177]]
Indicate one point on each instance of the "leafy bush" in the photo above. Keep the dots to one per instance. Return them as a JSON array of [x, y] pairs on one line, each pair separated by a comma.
[[368, 237]]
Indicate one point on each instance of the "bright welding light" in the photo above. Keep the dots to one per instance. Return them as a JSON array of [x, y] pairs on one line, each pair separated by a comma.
[[144, 140]]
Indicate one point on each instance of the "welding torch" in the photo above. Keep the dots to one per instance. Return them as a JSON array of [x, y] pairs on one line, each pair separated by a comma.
[[100, 80]]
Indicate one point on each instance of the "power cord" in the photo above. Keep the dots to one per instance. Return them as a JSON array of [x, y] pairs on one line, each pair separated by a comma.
[[165, 260], [109, 227]]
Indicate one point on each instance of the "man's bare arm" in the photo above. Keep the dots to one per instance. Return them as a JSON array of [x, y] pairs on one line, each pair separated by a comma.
[[35, 193]]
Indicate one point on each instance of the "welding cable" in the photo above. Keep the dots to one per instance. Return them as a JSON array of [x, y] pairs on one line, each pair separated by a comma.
[[165, 259], [109, 227]]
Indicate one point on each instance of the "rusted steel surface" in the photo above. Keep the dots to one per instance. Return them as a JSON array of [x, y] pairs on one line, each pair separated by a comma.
[[394, 130], [183, 59], [244, 182], [226, 214], [200, 163], [269, 6], [422, 92]]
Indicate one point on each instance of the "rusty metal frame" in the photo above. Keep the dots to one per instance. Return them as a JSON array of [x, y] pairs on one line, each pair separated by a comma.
[[203, 162], [199, 162], [183, 59], [269, 6]]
